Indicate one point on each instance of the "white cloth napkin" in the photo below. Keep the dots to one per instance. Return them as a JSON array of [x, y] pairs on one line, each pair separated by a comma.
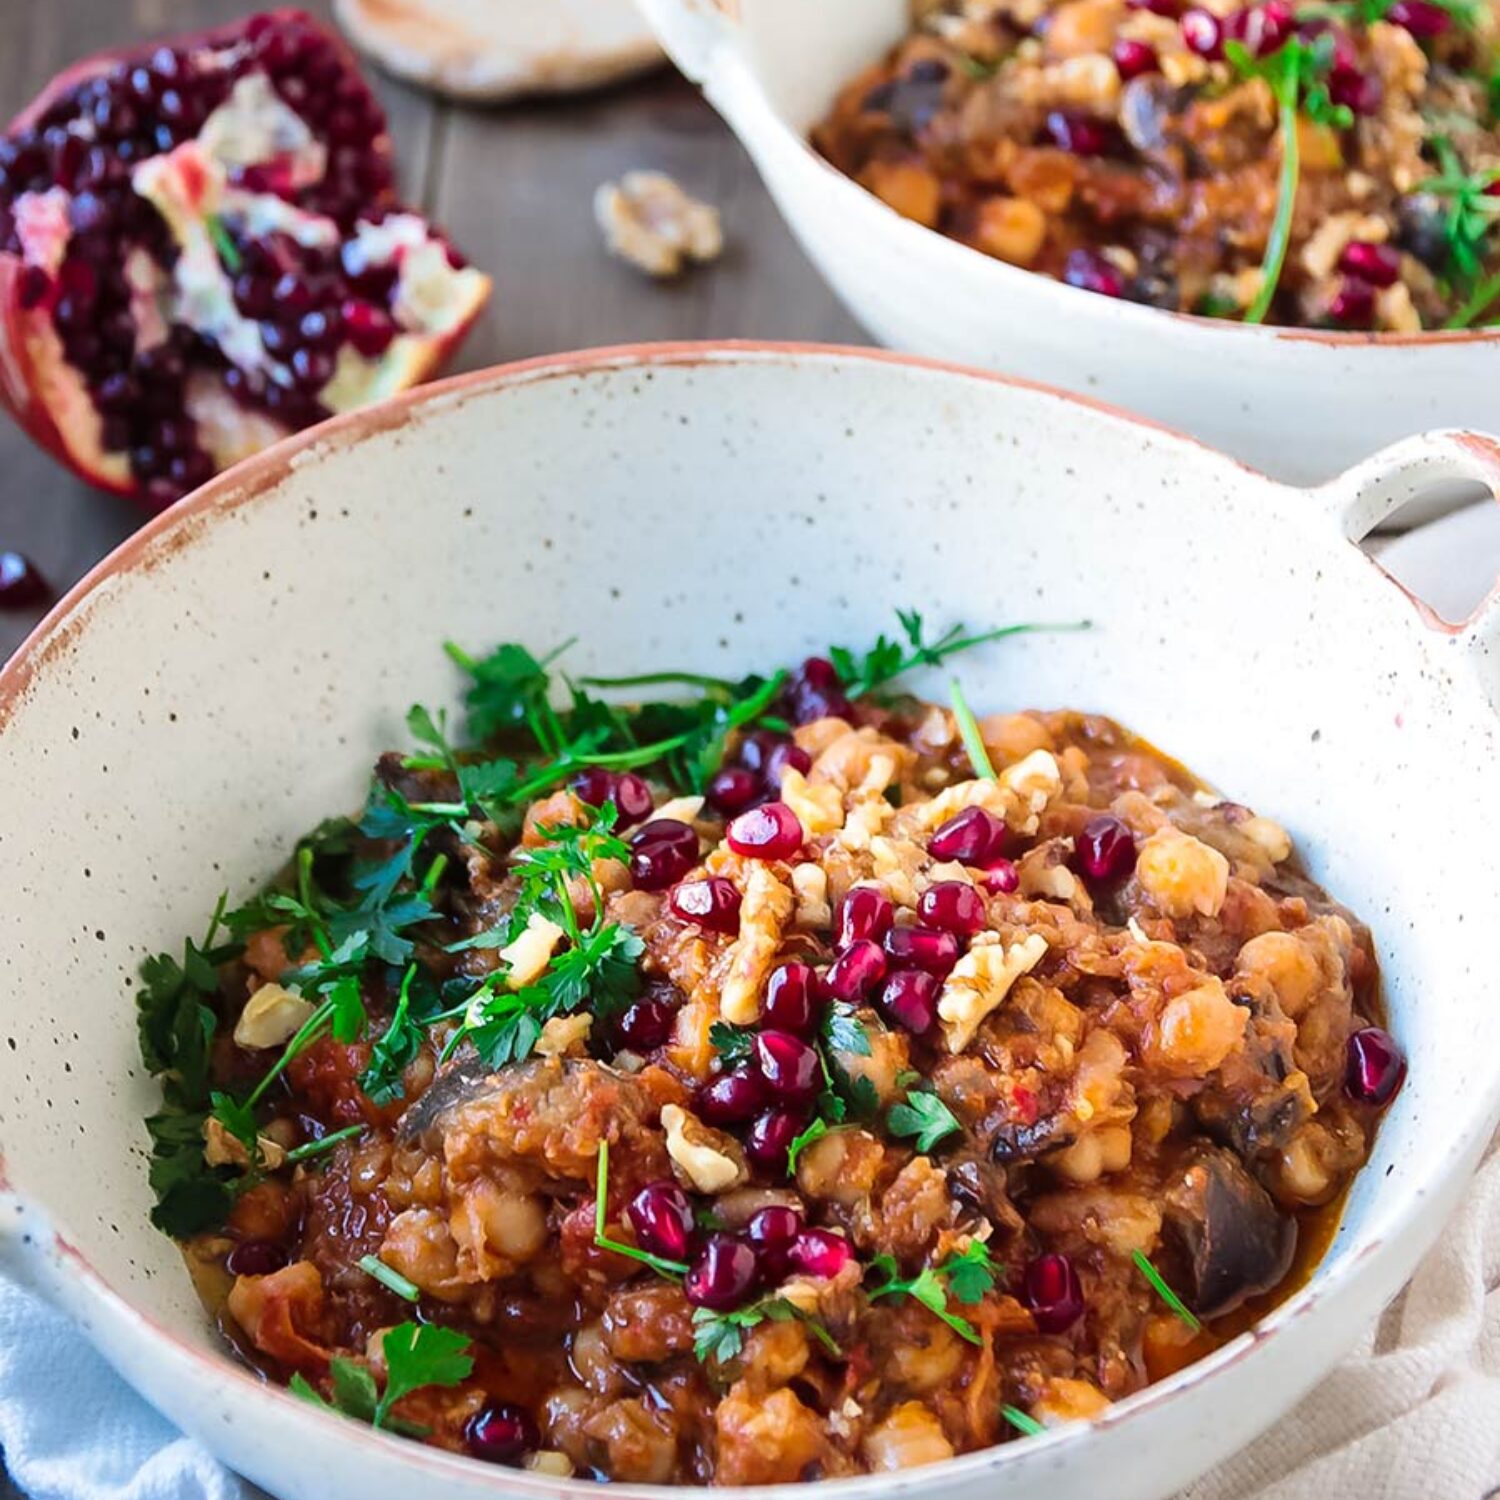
[[1412, 1414]]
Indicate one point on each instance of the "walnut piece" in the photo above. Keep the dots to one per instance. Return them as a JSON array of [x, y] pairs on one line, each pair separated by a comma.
[[648, 220]]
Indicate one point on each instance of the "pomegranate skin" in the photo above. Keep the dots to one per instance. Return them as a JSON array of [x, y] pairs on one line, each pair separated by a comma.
[[30, 359]]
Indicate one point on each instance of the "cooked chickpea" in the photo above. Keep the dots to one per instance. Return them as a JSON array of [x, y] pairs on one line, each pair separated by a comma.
[[910, 1436]]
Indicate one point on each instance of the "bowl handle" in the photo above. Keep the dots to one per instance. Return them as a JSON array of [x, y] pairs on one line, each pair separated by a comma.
[[692, 31]]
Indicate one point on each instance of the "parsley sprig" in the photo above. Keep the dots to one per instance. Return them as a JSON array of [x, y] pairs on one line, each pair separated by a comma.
[[966, 1276], [924, 1116], [1167, 1295], [417, 1356], [968, 730], [673, 1270], [1468, 219], [720, 1336]]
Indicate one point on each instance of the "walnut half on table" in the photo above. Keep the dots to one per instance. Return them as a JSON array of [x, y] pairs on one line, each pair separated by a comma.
[[650, 221]]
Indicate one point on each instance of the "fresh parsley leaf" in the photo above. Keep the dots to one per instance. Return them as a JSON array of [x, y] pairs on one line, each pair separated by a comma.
[[975, 1274], [720, 1336], [971, 1273], [732, 1043], [843, 1031], [417, 1356], [800, 1142], [509, 690], [924, 1116], [396, 1050]]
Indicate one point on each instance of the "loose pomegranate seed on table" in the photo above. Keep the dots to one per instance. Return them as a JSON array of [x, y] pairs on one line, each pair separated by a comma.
[[209, 231], [21, 583]]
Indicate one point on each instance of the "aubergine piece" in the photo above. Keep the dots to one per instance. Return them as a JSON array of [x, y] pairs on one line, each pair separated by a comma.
[[1235, 1243]]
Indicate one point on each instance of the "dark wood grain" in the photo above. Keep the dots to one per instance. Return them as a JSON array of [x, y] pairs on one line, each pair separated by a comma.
[[515, 187]]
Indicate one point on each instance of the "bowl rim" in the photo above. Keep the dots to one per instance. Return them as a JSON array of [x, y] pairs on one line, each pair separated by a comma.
[[188, 520], [1137, 314]]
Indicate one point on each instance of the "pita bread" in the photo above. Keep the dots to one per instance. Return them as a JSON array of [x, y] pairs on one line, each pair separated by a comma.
[[486, 50]]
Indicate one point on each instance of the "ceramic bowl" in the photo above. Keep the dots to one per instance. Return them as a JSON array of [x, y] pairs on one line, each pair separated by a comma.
[[1299, 404], [226, 678]]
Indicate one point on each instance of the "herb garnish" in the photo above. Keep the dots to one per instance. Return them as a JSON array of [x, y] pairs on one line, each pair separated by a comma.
[[390, 1278], [924, 1116], [416, 1356], [801, 1141], [1167, 1295], [1472, 210], [1024, 1424], [968, 731], [720, 1336], [674, 1270], [1297, 75], [224, 244], [967, 1276]]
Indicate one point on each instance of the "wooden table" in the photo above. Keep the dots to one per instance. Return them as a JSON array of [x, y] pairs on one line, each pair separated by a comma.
[[514, 186]]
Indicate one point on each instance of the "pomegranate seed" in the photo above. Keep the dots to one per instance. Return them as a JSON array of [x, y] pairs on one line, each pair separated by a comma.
[[972, 837], [1091, 272], [661, 853], [1421, 18], [713, 903], [35, 283], [1078, 134], [771, 1231], [770, 1138], [21, 585], [816, 691], [921, 948], [792, 999], [1051, 1289], [1168, 8], [733, 789], [1202, 33], [501, 1434], [723, 1275], [595, 786], [367, 328], [866, 912], [632, 798], [1105, 850], [1261, 29], [255, 1258], [1380, 265], [1134, 59], [789, 1066], [855, 972], [1374, 1066], [1362, 92], [909, 997], [646, 1025], [821, 1253], [662, 1219], [731, 1098], [952, 906], [767, 832], [1000, 877], [1353, 305], [786, 756]]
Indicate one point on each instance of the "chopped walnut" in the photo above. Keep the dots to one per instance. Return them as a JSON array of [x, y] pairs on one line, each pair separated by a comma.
[[648, 220]]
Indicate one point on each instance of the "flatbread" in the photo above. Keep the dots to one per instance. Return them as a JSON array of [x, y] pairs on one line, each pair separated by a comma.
[[486, 50]]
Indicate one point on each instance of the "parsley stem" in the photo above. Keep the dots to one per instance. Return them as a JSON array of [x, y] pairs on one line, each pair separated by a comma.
[[656, 679], [1487, 292], [309, 1149], [390, 1278], [670, 1268], [968, 729], [434, 873], [310, 1029], [1280, 236], [1167, 1295], [304, 895], [1027, 1425]]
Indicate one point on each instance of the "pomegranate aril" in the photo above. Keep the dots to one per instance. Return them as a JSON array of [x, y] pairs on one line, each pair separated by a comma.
[[733, 789], [921, 948], [972, 837], [713, 903], [1051, 1290], [1091, 272], [632, 798], [789, 1066], [1380, 265], [368, 328], [255, 1258], [770, 1138], [821, 1253], [501, 1434], [646, 1025], [1261, 29], [661, 853], [1202, 32], [784, 757], [1000, 877], [772, 1231], [1421, 18], [731, 1098], [723, 1275], [321, 328], [34, 286], [767, 832], [855, 972], [1134, 59], [792, 1000], [952, 906], [1374, 1066], [1353, 304], [662, 1218], [1105, 850], [1360, 91], [1078, 134], [865, 913], [816, 691], [595, 786], [909, 998]]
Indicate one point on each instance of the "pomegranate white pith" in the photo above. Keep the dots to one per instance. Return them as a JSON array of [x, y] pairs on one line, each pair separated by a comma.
[[201, 251]]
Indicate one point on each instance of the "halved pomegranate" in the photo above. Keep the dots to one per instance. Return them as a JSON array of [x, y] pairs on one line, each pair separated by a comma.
[[201, 250]]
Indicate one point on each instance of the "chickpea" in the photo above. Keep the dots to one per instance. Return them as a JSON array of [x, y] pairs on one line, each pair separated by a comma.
[[592, 1362], [911, 1435]]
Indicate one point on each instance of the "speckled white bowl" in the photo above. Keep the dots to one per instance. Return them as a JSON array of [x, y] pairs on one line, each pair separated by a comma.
[[226, 677], [1300, 404]]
